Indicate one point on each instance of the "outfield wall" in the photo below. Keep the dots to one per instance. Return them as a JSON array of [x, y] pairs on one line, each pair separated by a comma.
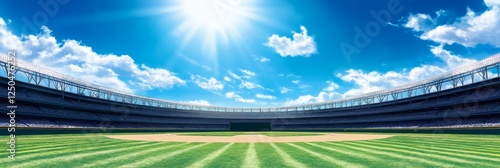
[[251, 126]]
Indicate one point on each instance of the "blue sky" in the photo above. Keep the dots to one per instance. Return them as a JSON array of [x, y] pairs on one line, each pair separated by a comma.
[[249, 53]]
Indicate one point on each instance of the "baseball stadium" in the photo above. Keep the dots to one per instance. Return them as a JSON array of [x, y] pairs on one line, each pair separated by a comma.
[[421, 124], [215, 83]]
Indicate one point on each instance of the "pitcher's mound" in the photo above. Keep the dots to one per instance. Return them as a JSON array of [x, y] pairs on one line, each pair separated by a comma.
[[248, 138]]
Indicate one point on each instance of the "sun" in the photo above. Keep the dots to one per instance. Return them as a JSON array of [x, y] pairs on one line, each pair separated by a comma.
[[212, 14], [213, 22]]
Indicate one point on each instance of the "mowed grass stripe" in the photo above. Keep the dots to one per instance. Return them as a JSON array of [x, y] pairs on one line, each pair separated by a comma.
[[428, 158], [128, 156], [145, 156], [287, 158], [59, 136], [413, 150], [45, 149], [22, 139], [251, 160], [20, 144], [304, 157], [396, 156], [477, 144], [355, 154], [268, 157], [364, 156], [189, 157], [454, 136], [88, 140], [37, 151], [210, 157], [482, 143], [69, 157], [152, 160], [103, 156], [464, 153], [232, 157], [77, 146], [38, 147], [27, 144], [442, 142], [458, 147], [51, 152], [47, 145], [332, 160]]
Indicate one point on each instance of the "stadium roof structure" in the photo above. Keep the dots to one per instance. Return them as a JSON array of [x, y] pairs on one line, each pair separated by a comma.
[[472, 73]]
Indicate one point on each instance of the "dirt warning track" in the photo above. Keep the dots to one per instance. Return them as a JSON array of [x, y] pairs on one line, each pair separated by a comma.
[[248, 138]]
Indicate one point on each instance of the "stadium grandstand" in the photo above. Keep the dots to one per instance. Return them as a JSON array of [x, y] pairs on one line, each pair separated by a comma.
[[467, 97]]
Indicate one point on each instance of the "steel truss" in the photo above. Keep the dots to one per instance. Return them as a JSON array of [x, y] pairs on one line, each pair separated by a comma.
[[473, 73]]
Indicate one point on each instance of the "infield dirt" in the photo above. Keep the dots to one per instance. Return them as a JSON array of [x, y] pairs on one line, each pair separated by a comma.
[[248, 138]]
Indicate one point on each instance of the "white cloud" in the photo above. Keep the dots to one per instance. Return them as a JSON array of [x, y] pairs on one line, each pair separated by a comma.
[[261, 58], [74, 59], [239, 98], [300, 84], [301, 45], [290, 75], [249, 85], [301, 100], [284, 90], [420, 73], [198, 102], [264, 59], [419, 22], [234, 75], [263, 96], [392, 24], [451, 60], [9, 41], [227, 79], [327, 94], [244, 83], [331, 86], [208, 84], [366, 82], [248, 74], [374, 81], [469, 30], [231, 95], [156, 77]]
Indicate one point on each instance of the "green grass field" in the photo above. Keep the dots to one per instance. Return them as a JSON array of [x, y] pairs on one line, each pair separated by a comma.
[[401, 150]]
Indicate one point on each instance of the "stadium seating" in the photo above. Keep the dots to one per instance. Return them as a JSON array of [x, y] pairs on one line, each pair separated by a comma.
[[468, 106]]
